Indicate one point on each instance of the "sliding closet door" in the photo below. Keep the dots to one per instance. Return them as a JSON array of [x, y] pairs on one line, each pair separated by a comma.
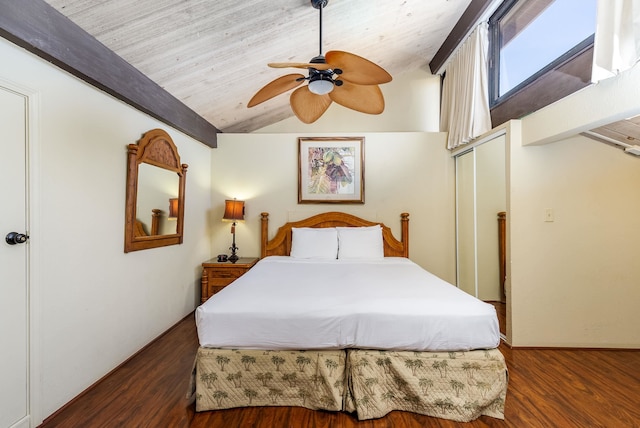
[[490, 200], [465, 222], [480, 196]]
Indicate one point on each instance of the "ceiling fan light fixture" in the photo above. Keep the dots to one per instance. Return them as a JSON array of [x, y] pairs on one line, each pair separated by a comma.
[[320, 85]]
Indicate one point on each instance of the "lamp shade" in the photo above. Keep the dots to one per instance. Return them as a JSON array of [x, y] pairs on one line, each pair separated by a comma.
[[233, 210], [173, 208]]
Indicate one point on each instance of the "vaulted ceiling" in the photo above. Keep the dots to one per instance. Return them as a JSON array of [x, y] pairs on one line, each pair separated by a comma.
[[213, 55]]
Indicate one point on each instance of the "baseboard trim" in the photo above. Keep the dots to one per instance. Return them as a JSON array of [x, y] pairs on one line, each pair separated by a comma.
[[570, 348]]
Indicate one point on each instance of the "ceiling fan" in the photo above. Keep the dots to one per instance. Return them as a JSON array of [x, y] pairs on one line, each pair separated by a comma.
[[343, 77]]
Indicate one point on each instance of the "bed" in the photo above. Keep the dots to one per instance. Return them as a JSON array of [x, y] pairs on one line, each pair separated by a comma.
[[336, 317]]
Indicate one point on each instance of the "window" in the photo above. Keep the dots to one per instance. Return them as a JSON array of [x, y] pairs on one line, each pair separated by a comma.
[[532, 44]]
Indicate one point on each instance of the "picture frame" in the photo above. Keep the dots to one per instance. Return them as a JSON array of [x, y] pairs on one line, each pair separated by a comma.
[[331, 170]]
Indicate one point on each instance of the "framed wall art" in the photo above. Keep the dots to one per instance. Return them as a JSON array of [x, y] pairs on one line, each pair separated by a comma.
[[331, 170]]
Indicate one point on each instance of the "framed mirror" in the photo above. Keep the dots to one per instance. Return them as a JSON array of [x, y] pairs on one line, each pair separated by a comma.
[[154, 211]]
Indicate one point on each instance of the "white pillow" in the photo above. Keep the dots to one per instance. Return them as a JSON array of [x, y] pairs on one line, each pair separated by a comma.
[[314, 243], [360, 242]]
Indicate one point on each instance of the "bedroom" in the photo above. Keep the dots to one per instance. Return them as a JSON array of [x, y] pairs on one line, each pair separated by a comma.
[[79, 186]]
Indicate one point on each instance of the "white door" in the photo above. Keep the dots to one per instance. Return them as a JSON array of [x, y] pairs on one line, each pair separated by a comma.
[[14, 314]]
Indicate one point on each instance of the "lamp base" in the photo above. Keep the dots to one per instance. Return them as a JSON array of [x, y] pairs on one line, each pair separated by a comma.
[[233, 257]]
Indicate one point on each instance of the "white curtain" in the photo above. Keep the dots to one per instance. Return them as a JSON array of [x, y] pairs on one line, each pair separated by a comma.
[[464, 111], [617, 39]]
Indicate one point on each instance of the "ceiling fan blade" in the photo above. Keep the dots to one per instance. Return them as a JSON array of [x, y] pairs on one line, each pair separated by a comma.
[[362, 98], [317, 66], [276, 87], [307, 105], [356, 69]]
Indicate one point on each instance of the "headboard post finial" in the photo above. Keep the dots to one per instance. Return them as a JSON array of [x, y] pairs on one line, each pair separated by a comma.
[[404, 221], [264, 234]]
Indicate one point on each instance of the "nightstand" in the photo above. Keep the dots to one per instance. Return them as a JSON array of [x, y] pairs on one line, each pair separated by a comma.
[[217, 275]]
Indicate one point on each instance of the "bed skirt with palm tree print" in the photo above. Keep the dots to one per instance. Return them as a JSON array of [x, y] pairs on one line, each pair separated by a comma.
[[459, 386]]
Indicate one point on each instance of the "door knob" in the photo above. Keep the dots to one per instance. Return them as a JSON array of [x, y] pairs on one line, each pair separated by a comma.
[[14, 238]]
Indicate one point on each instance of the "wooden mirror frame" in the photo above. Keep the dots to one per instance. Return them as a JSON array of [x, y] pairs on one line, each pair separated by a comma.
[[154, 148]]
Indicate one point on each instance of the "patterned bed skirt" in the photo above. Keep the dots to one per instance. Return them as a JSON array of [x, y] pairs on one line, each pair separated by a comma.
[[459, 386]]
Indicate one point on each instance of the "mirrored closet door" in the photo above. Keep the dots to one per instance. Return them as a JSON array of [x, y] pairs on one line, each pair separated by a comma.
[[480, 199]]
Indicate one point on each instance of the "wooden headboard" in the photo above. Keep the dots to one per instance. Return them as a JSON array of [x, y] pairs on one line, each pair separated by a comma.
[[280, 245]]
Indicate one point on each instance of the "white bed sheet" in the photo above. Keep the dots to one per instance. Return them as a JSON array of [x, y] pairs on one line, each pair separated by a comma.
[[390, 303]]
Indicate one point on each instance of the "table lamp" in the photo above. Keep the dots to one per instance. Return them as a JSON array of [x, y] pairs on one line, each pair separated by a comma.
[[233, 211]]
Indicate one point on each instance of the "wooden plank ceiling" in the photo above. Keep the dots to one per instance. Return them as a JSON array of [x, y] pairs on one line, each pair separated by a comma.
[[624, 133], [213, 55]]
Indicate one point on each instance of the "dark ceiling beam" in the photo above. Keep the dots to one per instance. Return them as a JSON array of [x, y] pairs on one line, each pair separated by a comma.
[[42, 30], [467, 21]]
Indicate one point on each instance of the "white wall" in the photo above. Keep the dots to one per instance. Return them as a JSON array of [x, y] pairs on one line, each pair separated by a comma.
[[404, 172], [94, 305], [575, 281]]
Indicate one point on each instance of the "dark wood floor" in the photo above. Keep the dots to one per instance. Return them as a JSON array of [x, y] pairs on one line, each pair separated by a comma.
[[547, 388]]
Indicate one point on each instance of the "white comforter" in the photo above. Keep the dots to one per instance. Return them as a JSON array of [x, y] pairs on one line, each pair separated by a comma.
[[285, 303]]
